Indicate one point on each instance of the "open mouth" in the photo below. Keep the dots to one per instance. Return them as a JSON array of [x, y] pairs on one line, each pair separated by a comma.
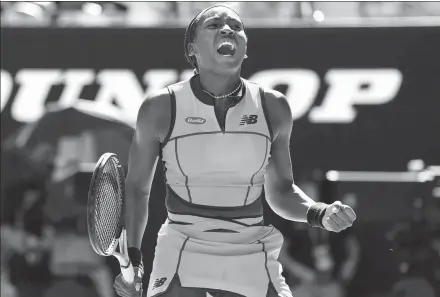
[[226, 48]]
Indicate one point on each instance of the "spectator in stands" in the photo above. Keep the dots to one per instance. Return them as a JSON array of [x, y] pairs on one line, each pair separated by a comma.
[[25, 238]]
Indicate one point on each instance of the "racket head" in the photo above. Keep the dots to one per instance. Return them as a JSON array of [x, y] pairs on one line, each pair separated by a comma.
[[105, 206]]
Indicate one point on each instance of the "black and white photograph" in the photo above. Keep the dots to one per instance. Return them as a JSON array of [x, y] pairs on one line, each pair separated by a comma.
[[220, 149]]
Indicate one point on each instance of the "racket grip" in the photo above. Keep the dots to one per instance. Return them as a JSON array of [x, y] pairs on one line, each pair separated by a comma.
[[128, 273]]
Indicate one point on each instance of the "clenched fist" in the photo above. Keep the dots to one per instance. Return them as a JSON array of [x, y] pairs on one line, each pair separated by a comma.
[[338, 217]]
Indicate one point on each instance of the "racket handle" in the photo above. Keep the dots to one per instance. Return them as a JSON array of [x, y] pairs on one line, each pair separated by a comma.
[[128, 273]]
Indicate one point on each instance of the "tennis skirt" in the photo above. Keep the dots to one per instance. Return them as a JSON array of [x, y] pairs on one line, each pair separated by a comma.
[[244, 263]]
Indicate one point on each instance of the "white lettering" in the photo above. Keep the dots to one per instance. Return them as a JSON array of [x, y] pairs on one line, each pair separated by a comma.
[[120, 93], [187, 74], [6, 88], [302, 86], [75, 80], [123, 88], [349, 87], [159, 78], [35, 85]]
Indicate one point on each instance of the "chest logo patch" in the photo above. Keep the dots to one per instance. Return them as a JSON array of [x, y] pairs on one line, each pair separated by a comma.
[[248, 119], [195, 120]]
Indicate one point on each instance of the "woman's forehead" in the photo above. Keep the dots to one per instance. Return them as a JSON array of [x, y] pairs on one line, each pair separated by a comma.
[[220, 12]]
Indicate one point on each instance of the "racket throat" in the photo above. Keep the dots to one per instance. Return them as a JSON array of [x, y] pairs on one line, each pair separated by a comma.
[[123, 248], [123, 260], [122, 256]]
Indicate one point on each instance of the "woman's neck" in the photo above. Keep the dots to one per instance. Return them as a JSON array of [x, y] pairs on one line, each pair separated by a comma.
[[217, 84]]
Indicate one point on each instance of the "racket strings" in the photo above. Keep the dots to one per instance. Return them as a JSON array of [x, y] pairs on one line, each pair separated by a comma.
[[108, 207]]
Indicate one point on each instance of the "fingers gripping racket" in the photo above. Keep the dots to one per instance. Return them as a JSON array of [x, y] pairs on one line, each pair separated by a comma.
[[105, 213]]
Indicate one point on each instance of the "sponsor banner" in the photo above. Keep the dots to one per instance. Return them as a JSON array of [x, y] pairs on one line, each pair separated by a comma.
[[361, 98]]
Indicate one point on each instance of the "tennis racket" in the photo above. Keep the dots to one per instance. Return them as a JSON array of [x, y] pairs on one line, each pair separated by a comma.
[[105, 213]]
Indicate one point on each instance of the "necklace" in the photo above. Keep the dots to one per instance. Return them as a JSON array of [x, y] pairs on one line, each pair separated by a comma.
[[226, 95]]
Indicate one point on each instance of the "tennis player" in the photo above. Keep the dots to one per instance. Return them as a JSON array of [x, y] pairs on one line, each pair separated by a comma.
[[221, 139]]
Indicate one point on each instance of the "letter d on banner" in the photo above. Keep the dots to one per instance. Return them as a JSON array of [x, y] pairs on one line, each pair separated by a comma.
[[349, 87]]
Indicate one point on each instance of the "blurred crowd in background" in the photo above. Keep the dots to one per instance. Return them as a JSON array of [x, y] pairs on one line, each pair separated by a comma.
[[45, 248], [144, 14]]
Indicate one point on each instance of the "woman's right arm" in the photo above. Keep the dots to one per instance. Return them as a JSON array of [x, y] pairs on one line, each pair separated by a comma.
[[151, 127]]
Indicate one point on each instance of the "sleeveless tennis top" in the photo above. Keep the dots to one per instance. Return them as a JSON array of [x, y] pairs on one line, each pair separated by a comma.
[[212, 171]]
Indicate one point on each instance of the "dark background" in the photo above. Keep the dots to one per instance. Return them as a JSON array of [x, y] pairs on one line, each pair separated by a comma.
[[381, 138]]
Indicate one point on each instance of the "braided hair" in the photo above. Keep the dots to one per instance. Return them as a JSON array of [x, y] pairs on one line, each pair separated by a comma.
[[190, 35]]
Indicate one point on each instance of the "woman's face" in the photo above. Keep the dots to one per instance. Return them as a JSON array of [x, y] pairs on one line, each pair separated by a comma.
[[220, 41]]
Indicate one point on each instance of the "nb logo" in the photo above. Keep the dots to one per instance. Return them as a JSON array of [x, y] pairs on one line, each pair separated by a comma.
[[159, 282], [248, 119]]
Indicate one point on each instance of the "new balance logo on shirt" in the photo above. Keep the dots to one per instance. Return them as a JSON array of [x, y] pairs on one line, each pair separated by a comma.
[[248, 119], [159, 282]]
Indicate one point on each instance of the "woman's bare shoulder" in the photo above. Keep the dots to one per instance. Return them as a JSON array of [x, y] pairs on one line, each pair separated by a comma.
[[155, 112]]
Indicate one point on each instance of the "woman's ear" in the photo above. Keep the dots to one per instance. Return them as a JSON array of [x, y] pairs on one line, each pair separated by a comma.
[[191, 49]]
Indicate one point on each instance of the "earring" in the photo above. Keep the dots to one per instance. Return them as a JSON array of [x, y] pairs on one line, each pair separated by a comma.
[[245, 56]]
